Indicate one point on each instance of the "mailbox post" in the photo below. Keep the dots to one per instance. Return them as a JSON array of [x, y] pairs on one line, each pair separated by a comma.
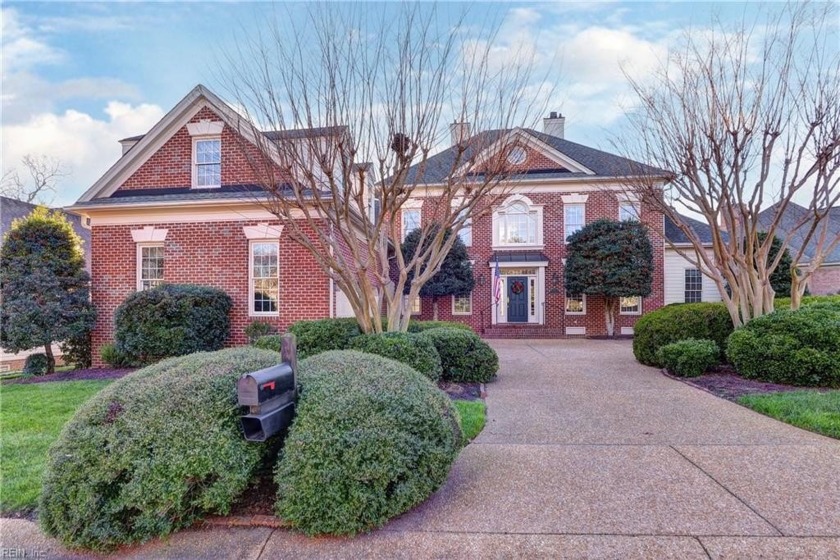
[[270, 395]]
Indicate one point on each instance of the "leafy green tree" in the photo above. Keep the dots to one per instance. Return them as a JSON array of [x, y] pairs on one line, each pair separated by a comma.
[[44, 285], [610, 259], [455, 277]]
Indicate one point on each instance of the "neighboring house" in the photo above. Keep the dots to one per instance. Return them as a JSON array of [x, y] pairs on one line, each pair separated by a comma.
[[826, 279], [10, 210], [559, 186], [684, 282], [182, 206]]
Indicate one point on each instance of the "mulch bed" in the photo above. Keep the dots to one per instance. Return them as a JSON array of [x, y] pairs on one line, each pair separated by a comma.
[[258, 499], [75, 375], [725, 383], [462, 391]]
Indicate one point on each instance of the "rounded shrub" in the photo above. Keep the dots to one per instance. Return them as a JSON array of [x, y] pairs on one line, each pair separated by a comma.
[[422, 326], [679, 321], [268, 342], [35, 364], [795, 347], [172, 320], [314, 337], [152, 452], [114, 357], [372, 438], [411, 349], [464, 357], [257, 329], [689, 357]]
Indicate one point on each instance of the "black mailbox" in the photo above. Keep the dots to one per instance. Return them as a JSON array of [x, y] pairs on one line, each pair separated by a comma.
[[270, 396]]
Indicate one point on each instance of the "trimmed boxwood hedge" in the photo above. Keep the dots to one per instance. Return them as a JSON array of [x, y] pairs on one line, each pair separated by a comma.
[[268, 342], [689, 357], [314, 337], [795, 347], [679, 321], [464, 356], [171, 320], [411, 349], [422, 326], [372, 438], [153, 452]]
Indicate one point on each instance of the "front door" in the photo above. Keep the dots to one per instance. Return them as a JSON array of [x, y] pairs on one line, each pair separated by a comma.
[[517, 296]]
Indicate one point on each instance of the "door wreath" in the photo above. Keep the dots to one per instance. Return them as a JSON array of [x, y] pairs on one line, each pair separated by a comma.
[[517, 288]]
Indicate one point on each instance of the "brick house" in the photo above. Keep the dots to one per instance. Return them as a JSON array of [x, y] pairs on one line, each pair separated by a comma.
[[559, 186]]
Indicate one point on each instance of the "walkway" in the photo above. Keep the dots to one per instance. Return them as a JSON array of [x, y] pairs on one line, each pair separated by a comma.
[[588, 454]]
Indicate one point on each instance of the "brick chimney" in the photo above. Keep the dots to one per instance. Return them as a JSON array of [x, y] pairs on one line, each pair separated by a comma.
[[460, 132], [555, 124]]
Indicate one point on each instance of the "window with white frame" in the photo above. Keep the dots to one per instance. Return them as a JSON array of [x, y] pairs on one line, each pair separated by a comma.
[[628, 210], [517, 224], [631, 305], [264, 277], [574, 218], [149, 266], [207, 162], [462, 305], [693, 285], [410, 220], [575, 304], [414, 305], [465, 233]]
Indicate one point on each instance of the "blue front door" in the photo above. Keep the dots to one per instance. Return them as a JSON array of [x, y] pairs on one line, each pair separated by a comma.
[[517, 296]]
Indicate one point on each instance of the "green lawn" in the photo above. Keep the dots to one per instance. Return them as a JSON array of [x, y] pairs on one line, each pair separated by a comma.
[[31, 417], [811, 410], [472, 417]]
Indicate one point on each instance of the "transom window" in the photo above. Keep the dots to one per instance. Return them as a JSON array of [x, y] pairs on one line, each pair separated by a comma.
[[207, 162], [517, 225], [693, 285], [149, 266], [575, 304], [574, 218], [410, 221], [631, 305], [628, 210], [462, 305], [265, 277]]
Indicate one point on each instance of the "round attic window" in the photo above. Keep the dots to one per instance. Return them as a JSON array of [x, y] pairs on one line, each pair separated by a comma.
[[517, 155]]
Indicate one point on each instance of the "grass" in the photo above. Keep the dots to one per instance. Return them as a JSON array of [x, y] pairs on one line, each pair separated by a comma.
[[810, 410], [473, 416], [31, 418]]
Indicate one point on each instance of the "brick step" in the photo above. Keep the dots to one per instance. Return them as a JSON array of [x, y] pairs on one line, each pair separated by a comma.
[[523, 331]]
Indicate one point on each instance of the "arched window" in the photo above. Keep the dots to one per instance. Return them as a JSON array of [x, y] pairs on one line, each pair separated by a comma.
[[518, 223]]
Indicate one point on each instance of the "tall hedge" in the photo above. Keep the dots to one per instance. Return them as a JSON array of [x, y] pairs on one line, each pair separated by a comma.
[[679, 321], [414, 350], [372, 438], [172, 320], [314, 337], [152, 452], [464, 357]]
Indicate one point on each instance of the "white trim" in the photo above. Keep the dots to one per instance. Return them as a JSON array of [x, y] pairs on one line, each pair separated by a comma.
[[138, 264], [186, 213], [536, 209], [205, 127], [413, 203], [519, 264], [461, 313], [251, 312], [567, 206], [575, 331], [627, 330], [637, 209], [566, 308], [520, 136], [194, 164], [575, 198], [149, 234], [639, 312], [262, 231]]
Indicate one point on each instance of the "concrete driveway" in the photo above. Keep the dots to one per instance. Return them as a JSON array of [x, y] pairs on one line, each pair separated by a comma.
[[589, 454]]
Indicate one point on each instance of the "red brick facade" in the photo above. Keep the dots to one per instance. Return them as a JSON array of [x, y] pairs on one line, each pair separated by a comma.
[[825, 281]]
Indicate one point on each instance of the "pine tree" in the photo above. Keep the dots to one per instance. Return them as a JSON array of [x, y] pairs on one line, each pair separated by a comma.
[[44, 284]]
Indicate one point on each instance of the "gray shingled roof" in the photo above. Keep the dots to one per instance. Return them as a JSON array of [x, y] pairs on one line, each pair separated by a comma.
[[675, 235], [184, 194], [787, 229], [603, 164], [292, 133]]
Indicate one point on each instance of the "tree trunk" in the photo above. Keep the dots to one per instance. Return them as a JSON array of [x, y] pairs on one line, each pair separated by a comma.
[[435, 307], [50, 358], [609, 315]]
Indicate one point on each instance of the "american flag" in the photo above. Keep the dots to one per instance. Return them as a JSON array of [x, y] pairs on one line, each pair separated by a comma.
[[497, 285]]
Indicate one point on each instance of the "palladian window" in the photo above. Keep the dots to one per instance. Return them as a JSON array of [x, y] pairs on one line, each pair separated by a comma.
[[518, 223]]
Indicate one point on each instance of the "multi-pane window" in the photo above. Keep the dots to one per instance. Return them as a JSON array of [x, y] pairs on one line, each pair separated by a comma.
[[410, 221], [693, 285], [149, 266], [628, 211], [207, 162], [462, 305], [517, 225], [465, 232], [574, 218], [265, 277], [631, 305], [575, 304], [414, 305]]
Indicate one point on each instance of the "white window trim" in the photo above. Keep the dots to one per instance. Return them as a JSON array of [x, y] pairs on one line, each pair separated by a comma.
[[637, 209], [404, 233], [462, 312], [566, 309], [535, 208], [194, 164], [566, 206], [251, 312], [468, 223], [639, 312], [139, 261]]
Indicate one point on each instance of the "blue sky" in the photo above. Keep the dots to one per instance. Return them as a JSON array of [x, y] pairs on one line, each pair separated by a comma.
[[77, 77]]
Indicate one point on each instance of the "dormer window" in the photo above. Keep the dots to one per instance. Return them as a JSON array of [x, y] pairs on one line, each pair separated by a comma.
[[207, 162]]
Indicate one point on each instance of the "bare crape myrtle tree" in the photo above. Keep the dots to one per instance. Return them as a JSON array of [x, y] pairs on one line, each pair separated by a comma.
[[380, 90], [748, 121], [44, 172]]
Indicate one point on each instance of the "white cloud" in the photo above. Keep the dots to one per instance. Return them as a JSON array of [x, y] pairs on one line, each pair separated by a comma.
[[20, 47], [86, 146]]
